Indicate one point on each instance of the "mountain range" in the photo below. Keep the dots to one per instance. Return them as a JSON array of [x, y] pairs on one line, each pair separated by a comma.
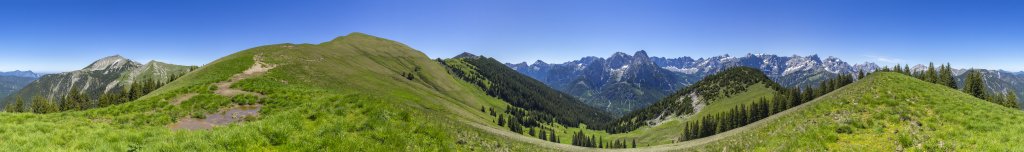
[[622, 83], [112, 73]]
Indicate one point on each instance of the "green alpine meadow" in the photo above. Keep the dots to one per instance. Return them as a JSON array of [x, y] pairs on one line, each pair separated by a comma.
[[511, 76]]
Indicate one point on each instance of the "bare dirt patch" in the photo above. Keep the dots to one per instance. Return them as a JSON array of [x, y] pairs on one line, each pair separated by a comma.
[[182, 98], [258, 68], [237, 113]]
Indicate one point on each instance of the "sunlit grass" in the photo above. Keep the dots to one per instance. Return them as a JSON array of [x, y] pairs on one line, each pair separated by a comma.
[[336, 96], [887, 112]]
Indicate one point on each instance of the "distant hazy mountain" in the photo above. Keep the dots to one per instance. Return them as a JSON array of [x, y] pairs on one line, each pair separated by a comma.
[[19, 73], [13, 81], [111, 73], [622, 83]]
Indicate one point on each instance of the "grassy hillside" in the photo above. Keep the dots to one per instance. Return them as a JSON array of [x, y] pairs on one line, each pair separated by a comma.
[[689, 100], [544, 103], [718, 94], [348, 94], [667, 131], [886, 112]]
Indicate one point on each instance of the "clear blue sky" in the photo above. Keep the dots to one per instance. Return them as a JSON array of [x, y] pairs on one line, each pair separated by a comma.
[[63, 35]]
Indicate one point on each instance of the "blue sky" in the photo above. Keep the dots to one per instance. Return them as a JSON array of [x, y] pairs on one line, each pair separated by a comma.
[[64, 35]]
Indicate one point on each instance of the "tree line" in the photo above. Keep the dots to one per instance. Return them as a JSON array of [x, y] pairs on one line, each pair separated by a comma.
[[973, 83], [742, 115], [76, 99], [516, 119], [722, 84], [540, 103], [581, 139]]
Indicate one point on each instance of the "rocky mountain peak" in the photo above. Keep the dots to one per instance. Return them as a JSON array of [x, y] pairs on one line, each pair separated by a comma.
[[111, 62], [814, 57], [539, 63], [619, 54], [466, 55], [640, 54], [640, 57]]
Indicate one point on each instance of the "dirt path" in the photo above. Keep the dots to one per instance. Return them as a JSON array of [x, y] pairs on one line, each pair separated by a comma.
[[235, 113], [258, 68], [179, 99]]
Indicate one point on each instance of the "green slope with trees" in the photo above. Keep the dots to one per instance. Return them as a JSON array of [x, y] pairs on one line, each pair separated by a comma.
[[887, 111], [543, 103]]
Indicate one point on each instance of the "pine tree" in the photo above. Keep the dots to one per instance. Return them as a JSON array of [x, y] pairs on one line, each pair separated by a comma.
[[18, 106], [532, 132], [543, 135], [552, 137], [860, 74], [906, 70], [501, 120], [634, 143], [948, 77], [493, 113], [931, 75], [897, 68], [42, 105], [10, 107], [1011, 99], [974, 84], [942, 75]]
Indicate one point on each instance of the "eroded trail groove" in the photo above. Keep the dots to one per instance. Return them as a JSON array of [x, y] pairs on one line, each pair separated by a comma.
[[258, 68], [232, 114]]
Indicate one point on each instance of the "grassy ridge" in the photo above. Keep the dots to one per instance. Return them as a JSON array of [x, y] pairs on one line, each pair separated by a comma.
[[887, 112], [343, 95]]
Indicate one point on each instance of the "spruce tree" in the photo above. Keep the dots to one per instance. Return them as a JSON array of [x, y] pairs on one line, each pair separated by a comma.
[[860, 74], [19, 104], [1011, 99], [930, 75], [974, 84], [501, 120], [42, 105], [949, 78], [906, 69], [943, 75]]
